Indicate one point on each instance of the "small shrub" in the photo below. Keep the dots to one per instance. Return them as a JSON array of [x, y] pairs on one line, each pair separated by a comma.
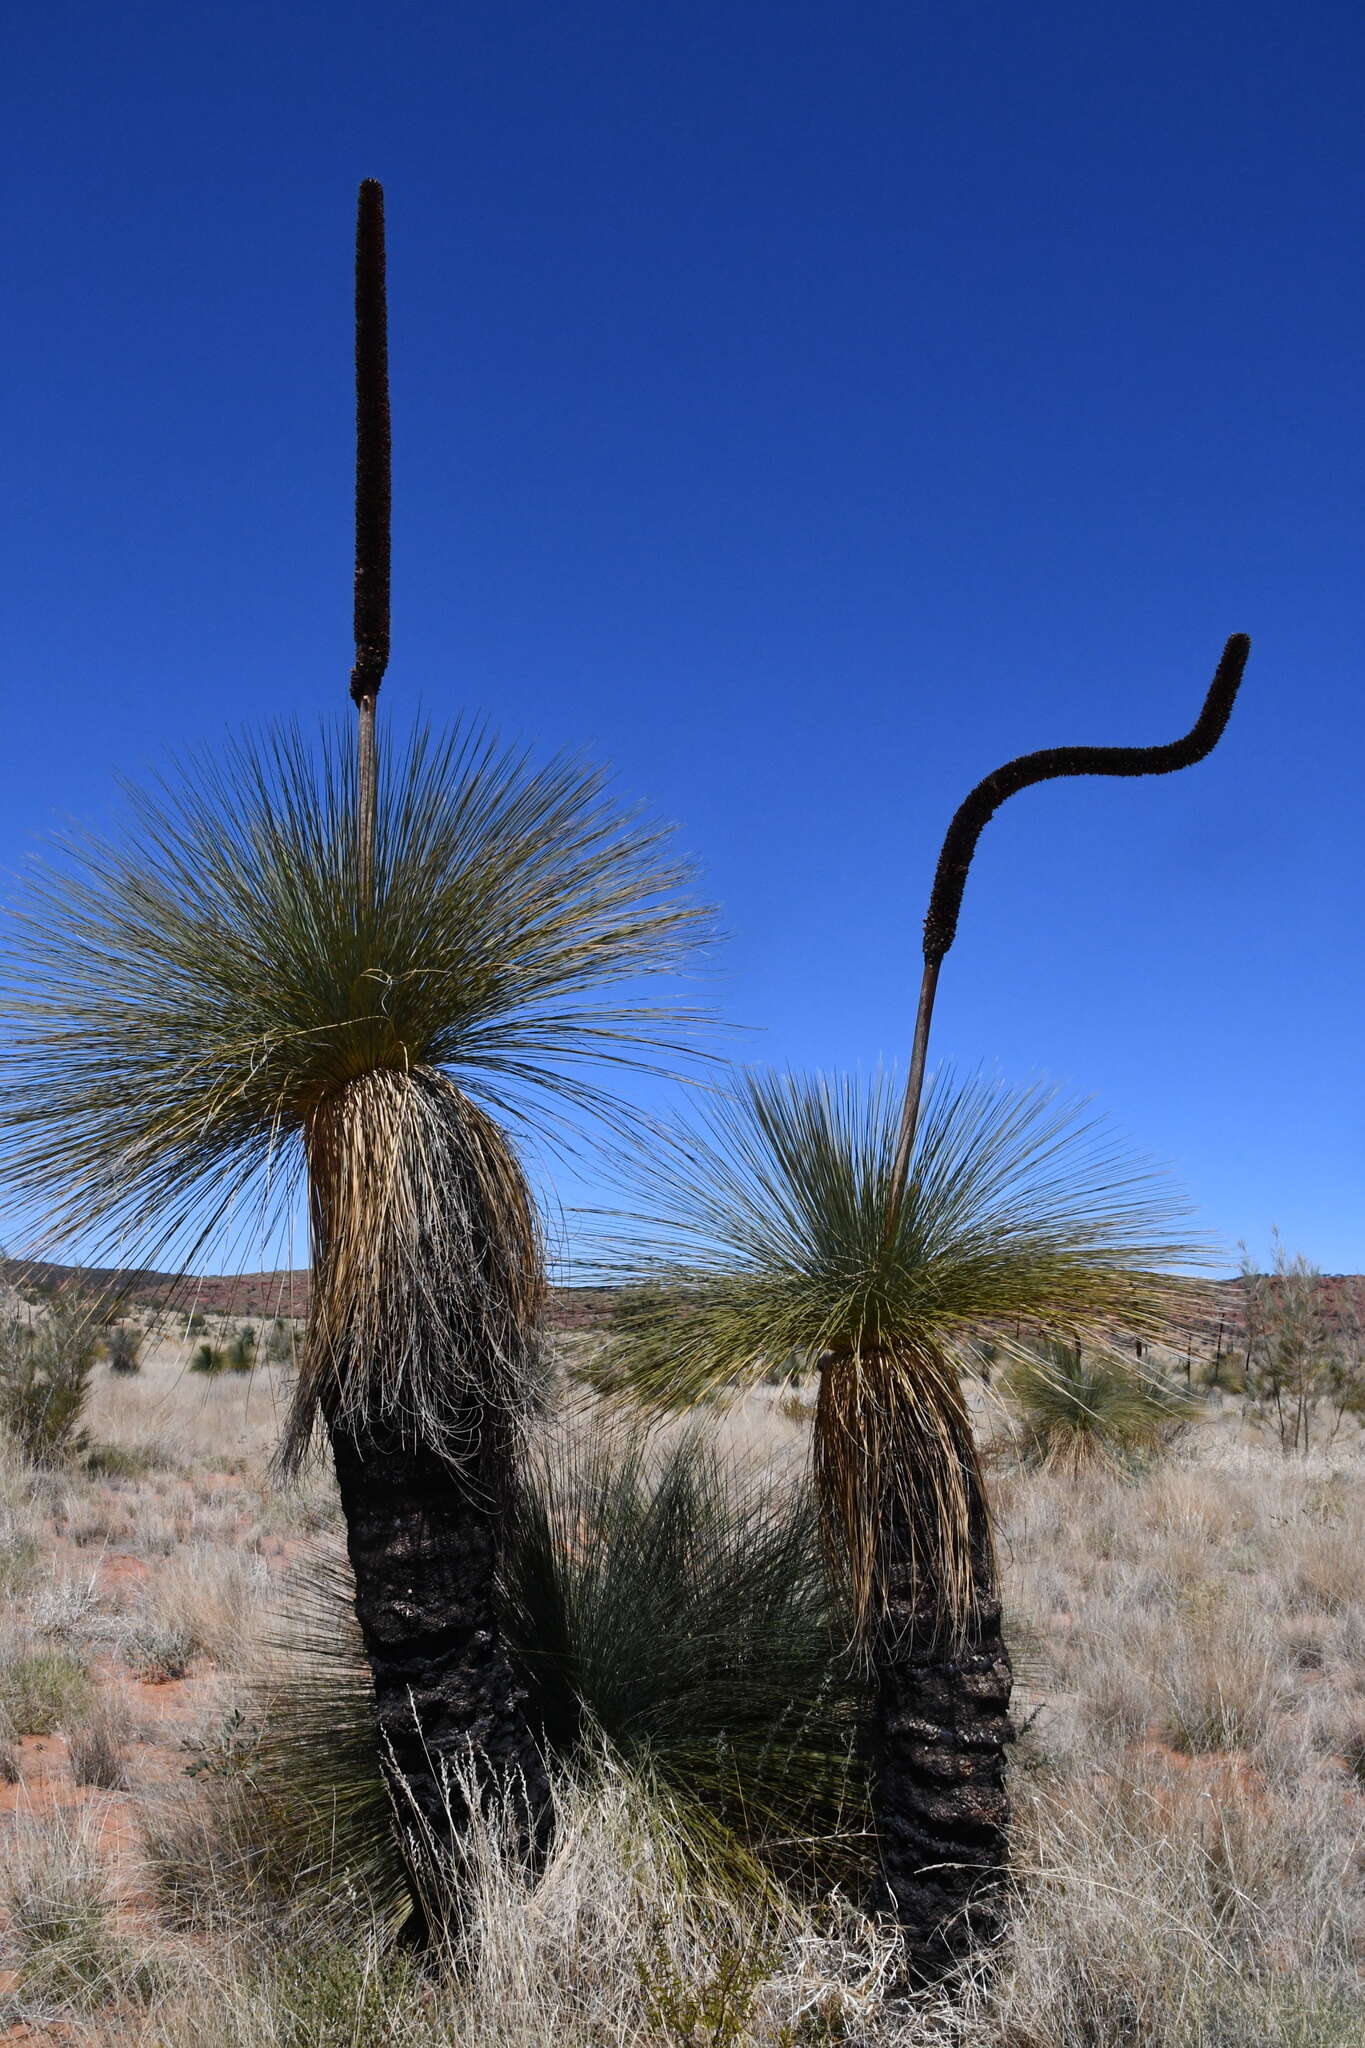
[[45, 1368], [279, 1343], [157, 1652], [42, 1690], [65, 1606], [239, 1355], [714, 2011], [123, 1342], [208, 1358]]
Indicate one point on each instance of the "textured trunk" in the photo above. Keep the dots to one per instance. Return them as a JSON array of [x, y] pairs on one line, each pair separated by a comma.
[[940, 1734], [423, 1545]]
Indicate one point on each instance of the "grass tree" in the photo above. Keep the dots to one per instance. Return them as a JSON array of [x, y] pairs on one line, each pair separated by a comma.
[[309, 973], [1081, 1411], [828, 1221]]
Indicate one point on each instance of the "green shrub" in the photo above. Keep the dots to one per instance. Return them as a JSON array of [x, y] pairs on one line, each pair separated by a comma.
[[239, 1355], [1082, 1410], [124, 1345], [279, 1343], [208, 1358], [45, 1367]]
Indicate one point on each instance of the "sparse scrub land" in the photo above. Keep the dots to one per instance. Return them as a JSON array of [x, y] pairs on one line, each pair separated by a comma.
[[1188, 1839]]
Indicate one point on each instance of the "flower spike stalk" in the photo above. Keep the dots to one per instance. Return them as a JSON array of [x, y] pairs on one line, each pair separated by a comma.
[[373, 498], [979, 807]]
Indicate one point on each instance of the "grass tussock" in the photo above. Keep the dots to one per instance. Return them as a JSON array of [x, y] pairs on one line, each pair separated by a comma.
[[43, 1688], [1079, 1410], [69, 1964]]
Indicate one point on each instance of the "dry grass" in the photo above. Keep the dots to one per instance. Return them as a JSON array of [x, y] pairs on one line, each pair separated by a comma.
[[1190, 1792]]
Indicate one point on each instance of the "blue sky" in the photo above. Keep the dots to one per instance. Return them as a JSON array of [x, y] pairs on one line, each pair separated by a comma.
[[804, 409]]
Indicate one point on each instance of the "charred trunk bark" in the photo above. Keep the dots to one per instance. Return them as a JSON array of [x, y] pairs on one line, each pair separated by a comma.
[[424, 1545], [940, 1734]]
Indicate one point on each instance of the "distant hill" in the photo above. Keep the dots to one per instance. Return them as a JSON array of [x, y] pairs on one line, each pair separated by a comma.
[[1214, 1320], [284, 1293]]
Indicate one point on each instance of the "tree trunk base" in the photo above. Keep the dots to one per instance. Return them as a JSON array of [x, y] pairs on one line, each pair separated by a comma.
[[940, 1737], [423, 1544]]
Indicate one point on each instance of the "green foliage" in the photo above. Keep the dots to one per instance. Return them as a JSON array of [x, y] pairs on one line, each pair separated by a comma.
[[334, 1994], [1085, 1410], [239, 1354], [714, 2011], [45, 1365], [765, 1239], [774, 1238], [1304, 1355], [180, 1000], [681, 1609], [279, 1342], [208, 1358], [124, 1345], [673, 1609]]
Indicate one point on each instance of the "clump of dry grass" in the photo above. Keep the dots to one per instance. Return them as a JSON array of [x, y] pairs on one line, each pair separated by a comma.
[[211, 1598], [68, 1962], [97, 1749], [1191, 1794], [617, 1943]]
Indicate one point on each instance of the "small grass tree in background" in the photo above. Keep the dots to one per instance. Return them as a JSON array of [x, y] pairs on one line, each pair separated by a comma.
[[305, 969], [123, 1342], [802, 1222], [1082, 1410]]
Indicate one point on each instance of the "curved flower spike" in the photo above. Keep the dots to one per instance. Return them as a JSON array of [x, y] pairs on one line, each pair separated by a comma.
[[976, 810]]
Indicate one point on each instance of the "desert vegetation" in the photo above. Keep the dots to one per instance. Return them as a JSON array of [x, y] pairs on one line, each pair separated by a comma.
[[190, 1853]]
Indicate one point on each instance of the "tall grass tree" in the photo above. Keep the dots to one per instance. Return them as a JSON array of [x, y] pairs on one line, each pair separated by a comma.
[[828, 1225], [202, 1035], [778, 1228], [327, 970]]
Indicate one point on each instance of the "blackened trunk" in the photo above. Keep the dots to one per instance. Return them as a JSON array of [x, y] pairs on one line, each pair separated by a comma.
[[424, 1545], [940, 1735]]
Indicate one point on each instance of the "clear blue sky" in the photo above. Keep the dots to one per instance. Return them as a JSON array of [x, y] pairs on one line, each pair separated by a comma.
[[804, 408]]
